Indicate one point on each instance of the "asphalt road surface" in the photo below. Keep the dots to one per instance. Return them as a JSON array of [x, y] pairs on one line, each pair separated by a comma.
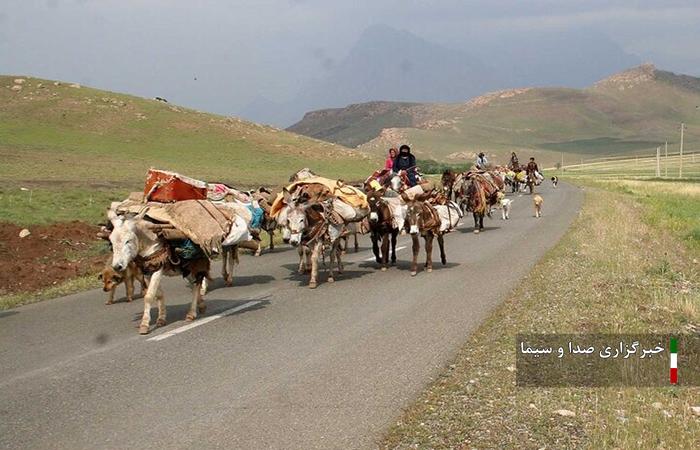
[[272, 364]]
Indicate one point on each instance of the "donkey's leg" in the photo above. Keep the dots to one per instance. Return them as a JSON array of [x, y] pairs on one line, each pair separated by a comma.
[[476, 222], [129, 282], [314, 265], [204, 284], [143, 282], [334, 254], [441, 243], [340, 262], [302, 258], [385, 251], [196, 292], [481, 221], [161, 321], [151, 294], [394, 235], [271, 233], [429, 251], [227, 259], [416, 249], [308, 255], [357, 245], [375, 236], [233, 259]]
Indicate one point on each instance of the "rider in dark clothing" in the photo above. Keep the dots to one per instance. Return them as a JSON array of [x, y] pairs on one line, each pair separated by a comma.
[[532, 167], [406, 161]]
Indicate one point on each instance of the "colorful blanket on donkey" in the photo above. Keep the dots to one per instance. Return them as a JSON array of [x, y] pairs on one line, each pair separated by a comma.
[[201, 221], [348, 194]]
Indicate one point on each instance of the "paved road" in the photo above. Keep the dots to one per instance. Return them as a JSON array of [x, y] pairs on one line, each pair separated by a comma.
[[283, 366]]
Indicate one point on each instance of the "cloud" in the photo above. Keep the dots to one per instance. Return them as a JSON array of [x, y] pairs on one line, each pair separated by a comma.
[[624, 16], [327, 62]]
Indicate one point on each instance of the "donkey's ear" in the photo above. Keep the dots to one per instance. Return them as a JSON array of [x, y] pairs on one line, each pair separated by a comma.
[[404, 197], [141, 214], [287, 196], [113, 217]]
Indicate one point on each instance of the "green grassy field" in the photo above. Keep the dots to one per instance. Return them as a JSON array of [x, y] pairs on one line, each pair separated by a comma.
[[93, 145], [629, 264], [641, 167]]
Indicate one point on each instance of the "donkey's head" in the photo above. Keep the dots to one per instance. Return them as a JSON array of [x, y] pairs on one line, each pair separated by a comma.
[[296, 224], [124, 238], [396, 182], [413, 216], [376, 204], [296, 220]]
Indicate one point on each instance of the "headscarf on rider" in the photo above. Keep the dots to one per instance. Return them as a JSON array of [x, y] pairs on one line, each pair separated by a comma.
[[406, 161], [389, 163]]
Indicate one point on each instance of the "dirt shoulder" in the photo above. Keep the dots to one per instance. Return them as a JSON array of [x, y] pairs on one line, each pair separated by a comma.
[[48, 258], [613, 272]]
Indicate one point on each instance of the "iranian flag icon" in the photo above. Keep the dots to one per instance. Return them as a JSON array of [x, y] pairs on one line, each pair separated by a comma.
[[673, 348]]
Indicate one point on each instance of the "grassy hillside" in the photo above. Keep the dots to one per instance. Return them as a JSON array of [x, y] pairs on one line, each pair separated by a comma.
[[630, 112], [59, 134], [639, 276], [356, 124]]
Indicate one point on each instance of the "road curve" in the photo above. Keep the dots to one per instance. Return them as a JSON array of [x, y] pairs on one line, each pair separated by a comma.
[[283, 366]]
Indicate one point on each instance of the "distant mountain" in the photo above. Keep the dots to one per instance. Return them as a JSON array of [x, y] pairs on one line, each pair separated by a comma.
[[358, 123], [386, 64], [634, 110]]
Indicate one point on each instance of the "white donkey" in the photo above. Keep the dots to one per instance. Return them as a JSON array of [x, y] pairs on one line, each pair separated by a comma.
[[134, 240]]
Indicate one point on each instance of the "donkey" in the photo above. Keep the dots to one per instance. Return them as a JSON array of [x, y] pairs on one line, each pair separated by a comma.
[[449, 182], [312, 232], [481, 193], [423, 219], [134, 241], [381, 226]]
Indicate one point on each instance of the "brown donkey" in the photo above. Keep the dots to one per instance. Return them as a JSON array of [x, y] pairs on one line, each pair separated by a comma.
[[423, 219], [381, 226]]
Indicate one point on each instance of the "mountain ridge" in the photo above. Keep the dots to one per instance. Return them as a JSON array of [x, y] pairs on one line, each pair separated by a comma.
[[632, 110]]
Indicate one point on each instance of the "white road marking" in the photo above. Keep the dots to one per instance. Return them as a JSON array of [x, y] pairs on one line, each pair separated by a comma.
[[204, 321]]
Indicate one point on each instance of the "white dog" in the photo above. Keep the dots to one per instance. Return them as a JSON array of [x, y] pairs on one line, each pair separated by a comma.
[[505, 208]]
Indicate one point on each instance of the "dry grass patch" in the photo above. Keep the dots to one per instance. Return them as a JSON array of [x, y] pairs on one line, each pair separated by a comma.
[[612, 273]]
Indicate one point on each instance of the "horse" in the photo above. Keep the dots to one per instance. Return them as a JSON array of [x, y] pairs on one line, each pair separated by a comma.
[[133, 240], [423, 219], [381, 225]]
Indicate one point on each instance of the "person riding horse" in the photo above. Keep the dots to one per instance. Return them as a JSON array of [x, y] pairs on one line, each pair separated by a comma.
[[407, 162], [531, 167], [533, 174]]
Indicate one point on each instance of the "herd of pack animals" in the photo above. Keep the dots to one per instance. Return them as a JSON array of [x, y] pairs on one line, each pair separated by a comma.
[[309, 220]]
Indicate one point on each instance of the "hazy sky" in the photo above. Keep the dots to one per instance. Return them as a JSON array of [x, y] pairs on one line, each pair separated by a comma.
[[241, 49]]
